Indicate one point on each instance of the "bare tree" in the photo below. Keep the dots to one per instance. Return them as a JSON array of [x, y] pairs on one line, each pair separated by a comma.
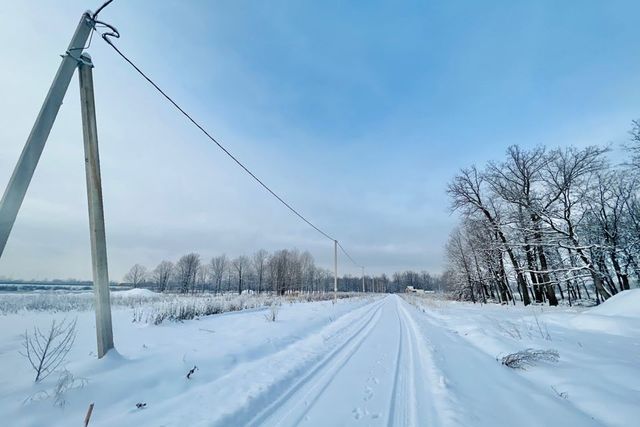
[[567, 175], [186, 270], [634, 147], [518, 181], [240, 264], [278, 267], [47, 351], [565, 218], [466, 192], [203, 276], [259, 265], [307, 270], [162, 275], [218, 266], [459, 259], [136, 276]]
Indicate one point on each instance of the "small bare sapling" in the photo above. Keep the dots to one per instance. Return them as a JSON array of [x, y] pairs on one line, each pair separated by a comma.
[[46, 351]]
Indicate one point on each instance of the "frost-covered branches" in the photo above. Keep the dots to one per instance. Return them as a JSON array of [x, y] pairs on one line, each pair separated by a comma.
[[560, 224], [529, 357]]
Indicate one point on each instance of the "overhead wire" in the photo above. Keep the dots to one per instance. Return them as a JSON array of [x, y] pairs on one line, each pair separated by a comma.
[[349, 256], [112, 32]]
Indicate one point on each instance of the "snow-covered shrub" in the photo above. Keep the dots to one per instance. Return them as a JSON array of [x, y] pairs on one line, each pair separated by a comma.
[[178, 308], [69, 301], [66, 381], [52, 302], [529, 357], [156, 308], [272, 314]]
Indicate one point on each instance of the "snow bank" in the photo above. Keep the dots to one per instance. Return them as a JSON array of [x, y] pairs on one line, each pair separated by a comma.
[[619, 315], [625, 303], [136, 293]]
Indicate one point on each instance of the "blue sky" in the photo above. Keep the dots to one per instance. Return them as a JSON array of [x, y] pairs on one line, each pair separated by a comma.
[[357, 112]]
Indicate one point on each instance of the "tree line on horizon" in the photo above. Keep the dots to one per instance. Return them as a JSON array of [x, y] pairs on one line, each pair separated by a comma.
[[280, 272], [546, 224]]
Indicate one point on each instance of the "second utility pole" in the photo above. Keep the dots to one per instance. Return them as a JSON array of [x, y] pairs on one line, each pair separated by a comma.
[[335, 270]]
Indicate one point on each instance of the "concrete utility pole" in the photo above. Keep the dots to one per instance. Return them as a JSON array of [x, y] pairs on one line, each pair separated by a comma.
[[335, 270], [104, 330], [25, 168], [363, 280]]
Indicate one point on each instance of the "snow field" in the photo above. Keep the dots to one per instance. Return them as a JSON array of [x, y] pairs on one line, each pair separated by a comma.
[[392, 360]]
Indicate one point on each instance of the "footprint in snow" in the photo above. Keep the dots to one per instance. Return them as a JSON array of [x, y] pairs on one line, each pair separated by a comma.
[[368, 393], [357, 413]]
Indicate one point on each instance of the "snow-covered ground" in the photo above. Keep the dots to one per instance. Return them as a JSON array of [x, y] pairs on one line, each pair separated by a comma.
[[384, 360], [595, 382]]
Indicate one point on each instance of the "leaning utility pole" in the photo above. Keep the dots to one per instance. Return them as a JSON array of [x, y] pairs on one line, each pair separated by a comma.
[[25, 168], [335, 270], [23, 172]]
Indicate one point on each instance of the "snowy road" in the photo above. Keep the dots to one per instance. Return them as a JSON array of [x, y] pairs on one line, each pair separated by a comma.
[[370, 366], [377, 375]]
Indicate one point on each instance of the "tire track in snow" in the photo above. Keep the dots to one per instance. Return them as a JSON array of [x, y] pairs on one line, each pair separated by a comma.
[[393, 412], [429, 384], [327, 373], [325, 368], [411, 403]]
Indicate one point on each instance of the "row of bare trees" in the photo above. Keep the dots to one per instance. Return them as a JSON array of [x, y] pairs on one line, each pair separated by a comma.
[[561, 223], [280, 272]]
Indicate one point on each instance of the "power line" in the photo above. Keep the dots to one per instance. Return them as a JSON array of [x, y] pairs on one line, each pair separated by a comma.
[[235, 159], [348, 256], [105, 4], [113, 32]]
